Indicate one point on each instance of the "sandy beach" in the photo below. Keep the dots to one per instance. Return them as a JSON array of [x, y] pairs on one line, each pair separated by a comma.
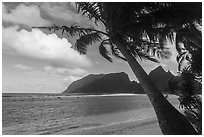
[[140, 126], [147, 126], [110, 115]]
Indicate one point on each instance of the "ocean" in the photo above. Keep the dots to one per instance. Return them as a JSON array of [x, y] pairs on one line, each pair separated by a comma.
[[47, 114]]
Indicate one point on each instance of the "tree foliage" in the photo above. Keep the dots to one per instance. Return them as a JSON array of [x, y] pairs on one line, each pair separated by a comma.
[[144, 29], [187, 89]]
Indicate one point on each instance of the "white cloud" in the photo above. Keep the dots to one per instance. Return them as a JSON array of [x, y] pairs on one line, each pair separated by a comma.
[[163, 65], [23, 67], [69, 75], [69, 79], [28, 15], [37, 44], [65, 71], [62, 11]]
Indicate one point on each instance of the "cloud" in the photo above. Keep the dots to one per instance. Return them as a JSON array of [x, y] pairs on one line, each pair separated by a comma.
[[64, 12], [65, 71], [28, 15], [23, 67], [69, 75], [49, 47], [163, 65], [69, 79]]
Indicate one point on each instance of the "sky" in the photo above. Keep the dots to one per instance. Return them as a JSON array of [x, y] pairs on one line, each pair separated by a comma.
[[39, 61]]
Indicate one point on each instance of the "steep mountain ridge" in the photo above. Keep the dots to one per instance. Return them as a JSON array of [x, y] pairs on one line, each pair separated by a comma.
[[160, 78], [117, 83], [104, 84]]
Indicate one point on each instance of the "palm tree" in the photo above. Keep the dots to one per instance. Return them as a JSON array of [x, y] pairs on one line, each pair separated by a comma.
[[133, 31], [173, 86], [189, 88], [189, 99], [185, 21], [188, 44]]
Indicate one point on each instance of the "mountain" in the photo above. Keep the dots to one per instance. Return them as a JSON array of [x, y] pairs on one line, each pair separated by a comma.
[[160, 78], [117, 83], [120, 83], [104, 84]]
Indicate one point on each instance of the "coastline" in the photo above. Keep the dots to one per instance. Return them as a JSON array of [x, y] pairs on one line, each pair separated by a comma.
[[99, 116]]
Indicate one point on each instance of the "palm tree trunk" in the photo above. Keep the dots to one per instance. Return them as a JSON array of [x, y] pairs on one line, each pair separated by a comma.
[[171, 121]]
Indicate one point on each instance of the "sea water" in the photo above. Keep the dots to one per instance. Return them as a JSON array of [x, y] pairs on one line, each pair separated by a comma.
[[45, 114]]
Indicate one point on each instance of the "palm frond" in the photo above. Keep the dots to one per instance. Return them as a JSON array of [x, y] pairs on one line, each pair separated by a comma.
[[114, 50], [147, 57], [182, 59], [178, 13], [73, 30], [117, 53], [92, 10], [158, 51], [144, 48], [140, 52], [85, 40], [178, 41], [188, 40], [179, 56], [103, 51]]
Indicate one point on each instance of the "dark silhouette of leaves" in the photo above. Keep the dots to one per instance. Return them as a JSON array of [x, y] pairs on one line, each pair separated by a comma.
[[85, 40]]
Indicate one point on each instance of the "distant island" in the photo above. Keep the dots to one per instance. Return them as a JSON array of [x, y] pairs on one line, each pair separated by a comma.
[[114, 83]]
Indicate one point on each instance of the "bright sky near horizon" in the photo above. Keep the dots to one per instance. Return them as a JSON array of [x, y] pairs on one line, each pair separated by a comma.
[[36, 60]]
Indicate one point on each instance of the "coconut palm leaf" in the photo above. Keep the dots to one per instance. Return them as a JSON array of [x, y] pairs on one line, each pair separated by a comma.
[[188, 40], [181, 60], [91, 10], [117, 53], [178, 58], [190, 33], [85, 40], [103, 51], [139, 52], [73, 30], [114, 50], [148, 50], [177, 14]]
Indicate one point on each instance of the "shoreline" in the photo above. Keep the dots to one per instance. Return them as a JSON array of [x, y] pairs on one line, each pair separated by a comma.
[[122, 115]]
